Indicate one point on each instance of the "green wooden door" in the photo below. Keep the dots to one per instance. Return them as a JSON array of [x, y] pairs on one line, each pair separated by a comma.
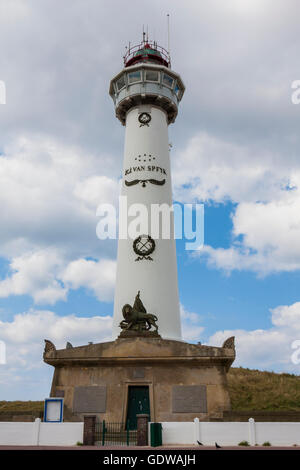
[[138, 403]]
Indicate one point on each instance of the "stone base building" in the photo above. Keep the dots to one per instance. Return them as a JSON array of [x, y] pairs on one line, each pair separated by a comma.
[[166, 379]]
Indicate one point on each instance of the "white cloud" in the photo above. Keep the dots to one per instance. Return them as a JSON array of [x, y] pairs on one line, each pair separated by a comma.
[[25, 375], [96, 189], [272, 231], [34, 274], [49, 196], [99, 276], [212, 168], [269, 238], [191, 330], [269, 349], [266, 191], [287, 316], [47, 277]]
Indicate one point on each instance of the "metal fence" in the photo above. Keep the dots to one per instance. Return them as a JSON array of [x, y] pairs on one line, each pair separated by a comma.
[[115, 434]]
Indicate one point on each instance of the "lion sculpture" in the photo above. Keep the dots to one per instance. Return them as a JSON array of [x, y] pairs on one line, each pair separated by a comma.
[[136, 317]]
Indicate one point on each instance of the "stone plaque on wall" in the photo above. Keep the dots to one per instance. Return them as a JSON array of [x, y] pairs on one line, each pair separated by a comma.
[[90, 399], [138, 373], [189, 399]]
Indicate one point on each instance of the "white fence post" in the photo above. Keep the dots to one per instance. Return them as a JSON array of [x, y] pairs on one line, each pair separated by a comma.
[[2, 92], [252, 436], [2, 352], [196, 430], [36, 431]]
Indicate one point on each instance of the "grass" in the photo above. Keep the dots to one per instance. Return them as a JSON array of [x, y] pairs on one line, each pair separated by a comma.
[[6, 406], [261, 390], [249, 389]]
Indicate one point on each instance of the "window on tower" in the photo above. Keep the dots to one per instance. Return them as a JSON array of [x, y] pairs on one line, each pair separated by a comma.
[[168, 81], [151, 76], [178, 91], [134, 76], [121, 83]]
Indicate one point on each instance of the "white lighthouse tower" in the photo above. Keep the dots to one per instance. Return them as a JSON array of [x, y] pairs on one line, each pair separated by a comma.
[[146, 370], [146, 95]]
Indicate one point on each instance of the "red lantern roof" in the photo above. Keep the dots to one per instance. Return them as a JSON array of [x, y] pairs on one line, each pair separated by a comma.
[[148, 52]]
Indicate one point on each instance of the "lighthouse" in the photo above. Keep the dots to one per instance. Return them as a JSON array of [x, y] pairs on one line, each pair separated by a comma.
[[146, 372], [146, 95]]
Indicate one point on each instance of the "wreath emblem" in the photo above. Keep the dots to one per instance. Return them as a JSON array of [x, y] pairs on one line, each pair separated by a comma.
[[144, 119], [143, 246]]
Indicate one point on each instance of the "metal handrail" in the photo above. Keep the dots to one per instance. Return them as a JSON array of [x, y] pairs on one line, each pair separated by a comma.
[[129, 54]]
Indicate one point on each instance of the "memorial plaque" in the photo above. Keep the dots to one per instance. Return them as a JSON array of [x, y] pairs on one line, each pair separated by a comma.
[[139, 373], [90, 399], [189, 399]]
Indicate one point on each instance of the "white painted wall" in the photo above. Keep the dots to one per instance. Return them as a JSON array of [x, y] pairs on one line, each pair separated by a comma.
[[186, 433], [281, 434], [225, 434], [38, 433], [60, 434], [17, 434], [230, 433], [157, 279], [178, 433]]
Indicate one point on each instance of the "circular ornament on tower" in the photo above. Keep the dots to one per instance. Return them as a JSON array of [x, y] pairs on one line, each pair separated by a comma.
[[144, 119], [143, 246]]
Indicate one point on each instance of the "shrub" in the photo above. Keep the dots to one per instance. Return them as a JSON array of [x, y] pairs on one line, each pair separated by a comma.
[[267, 443], [244, 443]]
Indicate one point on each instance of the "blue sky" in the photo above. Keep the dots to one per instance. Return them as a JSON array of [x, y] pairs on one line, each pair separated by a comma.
[[235, 148]]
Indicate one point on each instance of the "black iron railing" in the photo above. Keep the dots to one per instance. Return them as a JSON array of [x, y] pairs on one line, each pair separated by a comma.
[[107, 433]]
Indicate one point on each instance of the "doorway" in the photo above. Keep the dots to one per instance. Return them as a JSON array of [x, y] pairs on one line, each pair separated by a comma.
[[138, 403]]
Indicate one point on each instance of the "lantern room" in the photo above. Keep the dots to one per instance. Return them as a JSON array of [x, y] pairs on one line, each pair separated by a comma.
[[146, 79]]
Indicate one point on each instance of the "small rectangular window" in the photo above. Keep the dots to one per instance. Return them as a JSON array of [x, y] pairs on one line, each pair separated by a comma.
[[134, 77], [177, 91], [120, 83], [152, 76], [167, 80]]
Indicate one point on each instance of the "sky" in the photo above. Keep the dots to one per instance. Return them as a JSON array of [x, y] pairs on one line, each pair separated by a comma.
[[235, 148]]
